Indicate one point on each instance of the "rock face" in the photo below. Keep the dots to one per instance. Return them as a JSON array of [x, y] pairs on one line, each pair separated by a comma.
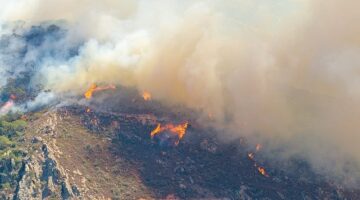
[[66, 161], [41, 177]]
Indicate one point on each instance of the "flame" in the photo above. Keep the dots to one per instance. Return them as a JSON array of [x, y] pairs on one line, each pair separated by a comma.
[[146, 96], [7, 106], [262, 171], [88, 94], [94, 88], [155, 131], [251, 156], [88, 110], [179, 130]]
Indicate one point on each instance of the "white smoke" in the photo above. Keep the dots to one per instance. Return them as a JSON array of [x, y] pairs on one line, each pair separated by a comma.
[[281, 72]]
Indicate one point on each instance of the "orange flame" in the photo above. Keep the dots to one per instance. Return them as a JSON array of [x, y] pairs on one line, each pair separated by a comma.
[[146, 96], [7, 106], [88, 94], [251, 156], [88, 110], [94, 88], [179, 130], [262, 171]]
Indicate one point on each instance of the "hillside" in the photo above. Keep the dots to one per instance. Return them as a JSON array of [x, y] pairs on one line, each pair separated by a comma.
[[76, 153], [179, 100]]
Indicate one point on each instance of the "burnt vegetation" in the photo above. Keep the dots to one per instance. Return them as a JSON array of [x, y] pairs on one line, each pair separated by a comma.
[[201, 166]]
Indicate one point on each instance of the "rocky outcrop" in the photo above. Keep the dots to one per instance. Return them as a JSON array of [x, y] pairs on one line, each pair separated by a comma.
[[41, 176]]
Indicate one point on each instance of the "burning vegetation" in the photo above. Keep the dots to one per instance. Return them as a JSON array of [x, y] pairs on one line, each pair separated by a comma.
[[203, 161], [251, 156], [95, 88], [8, 105], [177, 130], [262, 171], [146, 96], [186, 171]]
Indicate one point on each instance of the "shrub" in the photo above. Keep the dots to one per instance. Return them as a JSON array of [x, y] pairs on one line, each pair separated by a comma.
[[13, 128], [4, 142]]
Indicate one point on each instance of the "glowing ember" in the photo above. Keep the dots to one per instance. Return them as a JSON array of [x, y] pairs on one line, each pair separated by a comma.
[[262, 171], [146, 96], [251, 156], [178, 130], [94, 88]]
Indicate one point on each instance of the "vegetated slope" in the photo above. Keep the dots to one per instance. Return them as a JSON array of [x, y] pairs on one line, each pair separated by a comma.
[[74, 153]]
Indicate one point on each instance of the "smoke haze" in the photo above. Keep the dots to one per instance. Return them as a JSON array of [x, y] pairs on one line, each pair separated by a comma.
[[280, 72]]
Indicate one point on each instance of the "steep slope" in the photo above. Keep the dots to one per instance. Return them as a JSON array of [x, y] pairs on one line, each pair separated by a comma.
[[74, 153], [67, 162]]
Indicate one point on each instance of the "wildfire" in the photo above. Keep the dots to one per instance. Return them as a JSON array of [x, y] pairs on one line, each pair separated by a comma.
[[94, 88], [262, 171], [251, 156], [178, 130], [146, 96], [7, 106]]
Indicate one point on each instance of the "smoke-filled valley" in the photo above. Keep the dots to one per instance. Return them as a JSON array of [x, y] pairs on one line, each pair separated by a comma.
[[272, 85]]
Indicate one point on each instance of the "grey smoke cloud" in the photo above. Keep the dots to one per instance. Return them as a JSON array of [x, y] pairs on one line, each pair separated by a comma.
[[280, 72]]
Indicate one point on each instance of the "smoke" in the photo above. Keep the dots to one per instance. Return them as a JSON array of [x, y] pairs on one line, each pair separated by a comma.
[[284, 73], [41, 100]]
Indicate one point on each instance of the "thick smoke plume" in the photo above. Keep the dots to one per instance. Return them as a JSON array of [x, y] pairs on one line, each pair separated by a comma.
[[280, 72]]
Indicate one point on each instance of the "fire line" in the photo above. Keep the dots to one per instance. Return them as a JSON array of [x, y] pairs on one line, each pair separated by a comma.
[[178, 130], [94, 88]]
